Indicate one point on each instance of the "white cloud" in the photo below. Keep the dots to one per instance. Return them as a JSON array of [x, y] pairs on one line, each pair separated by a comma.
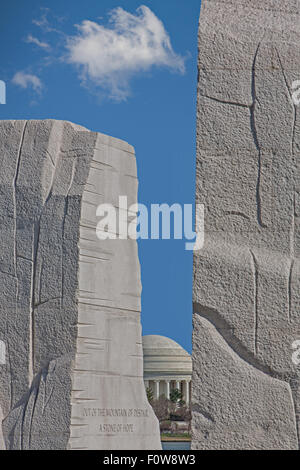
[[33, 40], [27, 80], [132, 43], [44, 23]]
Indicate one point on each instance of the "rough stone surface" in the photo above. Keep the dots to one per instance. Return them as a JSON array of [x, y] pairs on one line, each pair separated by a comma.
[[2, 446], [69, 303], [246, 388]]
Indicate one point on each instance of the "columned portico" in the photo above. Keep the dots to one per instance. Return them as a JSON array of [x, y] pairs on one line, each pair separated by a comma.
[[165, 387], [167, 366]]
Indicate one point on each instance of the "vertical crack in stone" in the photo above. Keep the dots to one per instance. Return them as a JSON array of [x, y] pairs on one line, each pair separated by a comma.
[[37, 391], [10, 373], [255, 299], [293, 228], [255, 138], [66, 206], [40, 280], [35, 245], [15, 180], [28, 413], [294, 218], [290, 291]]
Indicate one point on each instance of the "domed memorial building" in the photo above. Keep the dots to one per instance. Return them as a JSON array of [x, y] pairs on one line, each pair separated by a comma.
[[166, 366]]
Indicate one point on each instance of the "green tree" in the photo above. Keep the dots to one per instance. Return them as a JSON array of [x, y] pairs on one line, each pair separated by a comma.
[[175, 395], [149, 393]]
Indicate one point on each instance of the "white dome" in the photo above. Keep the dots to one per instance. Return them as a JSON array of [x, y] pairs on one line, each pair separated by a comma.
[[151, 342], [163, 356]]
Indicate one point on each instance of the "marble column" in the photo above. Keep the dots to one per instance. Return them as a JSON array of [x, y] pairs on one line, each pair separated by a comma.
[[156, 389], [168, 389], [187, 391]]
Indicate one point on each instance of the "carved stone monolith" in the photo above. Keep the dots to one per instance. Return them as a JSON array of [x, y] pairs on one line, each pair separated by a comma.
[[69, 302], [246, 371]]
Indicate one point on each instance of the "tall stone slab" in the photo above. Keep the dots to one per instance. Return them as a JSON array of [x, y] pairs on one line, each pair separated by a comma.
[[246, 381], [69, 302]]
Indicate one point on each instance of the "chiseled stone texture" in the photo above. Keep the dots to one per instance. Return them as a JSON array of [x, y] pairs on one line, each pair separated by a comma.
[[246, 388], [2, 445], [69, 303]]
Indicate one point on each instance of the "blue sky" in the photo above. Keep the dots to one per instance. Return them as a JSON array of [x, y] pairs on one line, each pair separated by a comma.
[[146, 97]]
